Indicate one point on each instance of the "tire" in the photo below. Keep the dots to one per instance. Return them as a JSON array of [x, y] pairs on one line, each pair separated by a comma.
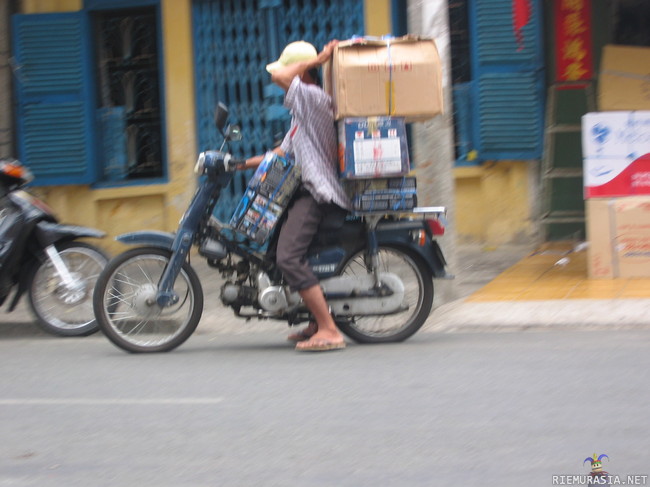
[[418, 295], [59, 310], [123, 296]]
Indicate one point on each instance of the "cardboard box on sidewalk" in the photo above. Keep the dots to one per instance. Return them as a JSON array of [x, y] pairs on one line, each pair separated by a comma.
[[399, 77], [618, 231], [616, 151], [624, 81]]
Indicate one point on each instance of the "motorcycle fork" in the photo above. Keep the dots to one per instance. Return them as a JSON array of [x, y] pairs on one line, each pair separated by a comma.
[[61, 269], [203, 198]]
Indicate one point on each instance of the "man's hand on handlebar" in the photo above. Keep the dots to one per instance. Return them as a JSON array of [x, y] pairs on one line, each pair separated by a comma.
[[253, 162], [232, 164]]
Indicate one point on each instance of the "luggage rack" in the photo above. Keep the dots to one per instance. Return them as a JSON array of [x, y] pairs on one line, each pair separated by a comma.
[[420, 211], [373, 218]]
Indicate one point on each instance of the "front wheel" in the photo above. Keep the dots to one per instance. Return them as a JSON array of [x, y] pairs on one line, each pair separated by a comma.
[[126, 308], [62, 308], [418, 298]]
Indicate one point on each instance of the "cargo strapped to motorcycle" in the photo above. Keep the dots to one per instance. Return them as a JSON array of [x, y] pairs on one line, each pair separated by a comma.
[[267, 195]]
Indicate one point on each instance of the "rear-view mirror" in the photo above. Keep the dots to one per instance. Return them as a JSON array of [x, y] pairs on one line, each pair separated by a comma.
[[221, 116]]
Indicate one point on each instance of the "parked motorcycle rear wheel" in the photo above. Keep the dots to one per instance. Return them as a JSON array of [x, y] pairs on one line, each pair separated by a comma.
[[418, 296], [59, 309], [126, 308]]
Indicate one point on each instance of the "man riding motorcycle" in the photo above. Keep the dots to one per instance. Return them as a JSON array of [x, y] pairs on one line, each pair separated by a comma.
[[311, 140]]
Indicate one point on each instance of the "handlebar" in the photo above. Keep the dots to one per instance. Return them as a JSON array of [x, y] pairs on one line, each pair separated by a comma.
[[234, 164], [214, 159]]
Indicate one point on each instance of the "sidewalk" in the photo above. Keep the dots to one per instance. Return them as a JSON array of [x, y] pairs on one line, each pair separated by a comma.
[[547, 287]]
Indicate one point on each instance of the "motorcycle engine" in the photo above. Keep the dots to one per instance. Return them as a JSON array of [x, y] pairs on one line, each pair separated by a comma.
[[271, 298], [268, 297], [237, 295]]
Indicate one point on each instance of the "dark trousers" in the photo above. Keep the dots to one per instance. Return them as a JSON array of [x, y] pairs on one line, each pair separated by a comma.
[[296, 234]]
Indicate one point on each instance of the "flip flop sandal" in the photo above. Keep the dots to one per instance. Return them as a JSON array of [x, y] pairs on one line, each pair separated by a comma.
[[320, 346], [300, 336]]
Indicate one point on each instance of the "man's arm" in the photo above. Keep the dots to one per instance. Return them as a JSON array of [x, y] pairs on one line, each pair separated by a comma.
[[284, 76], [253, 162]]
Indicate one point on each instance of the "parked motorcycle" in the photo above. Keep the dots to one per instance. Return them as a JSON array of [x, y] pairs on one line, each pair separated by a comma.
[[376, 271], [43, 258]]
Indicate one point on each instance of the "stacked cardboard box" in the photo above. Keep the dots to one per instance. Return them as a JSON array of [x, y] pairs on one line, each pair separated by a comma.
[[616, 150], [399, 77], [619, 237], [377, 87], [267, 195], [382, 194], [373, 147], [624, 81]]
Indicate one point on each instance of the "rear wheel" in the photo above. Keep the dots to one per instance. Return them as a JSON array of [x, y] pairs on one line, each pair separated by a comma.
[[62, 308], [126, 308], [418, 298]]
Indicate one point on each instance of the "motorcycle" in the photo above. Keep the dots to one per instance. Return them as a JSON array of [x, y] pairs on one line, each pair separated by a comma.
[[41, 257], [376, 270]]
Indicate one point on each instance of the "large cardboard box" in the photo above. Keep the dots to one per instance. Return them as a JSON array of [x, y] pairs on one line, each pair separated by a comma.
[[400, 77], [618, 231], [372, 147], [266, 197], [624, 81], [616, 151]]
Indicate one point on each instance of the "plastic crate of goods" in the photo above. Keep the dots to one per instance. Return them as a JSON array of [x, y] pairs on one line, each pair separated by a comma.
[[383, 194], [266, 197]]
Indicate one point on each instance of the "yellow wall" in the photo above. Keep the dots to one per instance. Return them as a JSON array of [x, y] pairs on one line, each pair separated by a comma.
[[493, 203], [377, 17], [160, 206], [157, 207], [44, 6]]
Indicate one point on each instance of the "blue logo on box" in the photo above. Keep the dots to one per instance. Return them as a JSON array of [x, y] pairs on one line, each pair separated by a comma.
[[600, 132]]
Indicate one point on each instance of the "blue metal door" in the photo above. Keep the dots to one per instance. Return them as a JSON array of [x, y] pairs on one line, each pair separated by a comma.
[[234, 40], [508, 84], [53, 84]]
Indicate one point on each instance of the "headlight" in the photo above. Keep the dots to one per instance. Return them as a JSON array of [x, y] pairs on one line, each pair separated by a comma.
[[200, 164]]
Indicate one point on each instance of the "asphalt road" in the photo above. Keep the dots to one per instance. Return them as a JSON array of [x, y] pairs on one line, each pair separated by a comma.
[[225, 409]]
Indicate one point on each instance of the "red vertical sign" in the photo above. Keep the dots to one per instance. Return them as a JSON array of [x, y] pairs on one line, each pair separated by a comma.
[[573, 53], [520, 18]]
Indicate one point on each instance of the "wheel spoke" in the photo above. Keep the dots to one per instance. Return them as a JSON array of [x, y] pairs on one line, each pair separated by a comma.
[[418, 294], [64, 309], [126, 307]]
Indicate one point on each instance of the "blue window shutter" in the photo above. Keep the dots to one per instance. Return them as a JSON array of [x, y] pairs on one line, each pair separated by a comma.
[[508, 82], [54, 97]]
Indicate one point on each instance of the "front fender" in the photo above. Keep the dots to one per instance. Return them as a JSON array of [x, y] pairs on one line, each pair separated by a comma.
[[163, 240], [49, 233]]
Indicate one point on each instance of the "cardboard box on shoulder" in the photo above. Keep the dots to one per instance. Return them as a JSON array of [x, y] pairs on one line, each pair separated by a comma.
[[399, 77], [267, 195], [618, 231], [372, 147], [624, 80]]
